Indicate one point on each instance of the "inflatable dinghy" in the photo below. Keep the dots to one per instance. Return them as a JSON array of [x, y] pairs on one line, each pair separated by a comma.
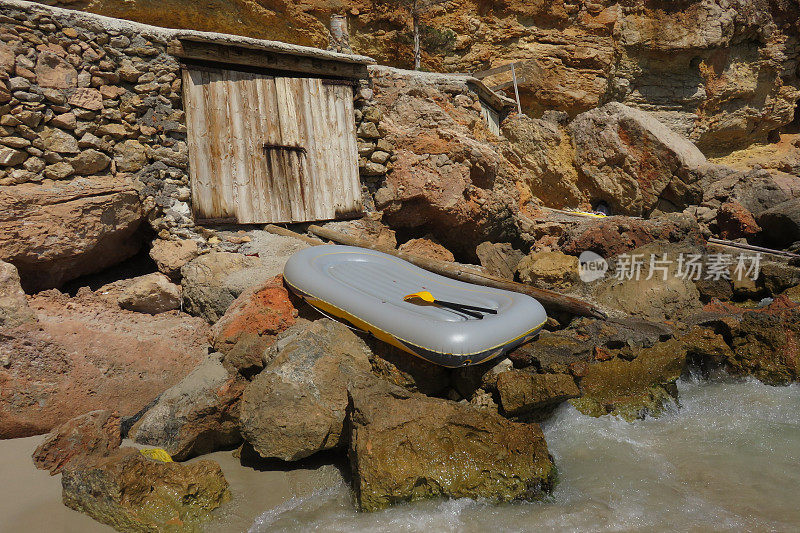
[[448, 322]]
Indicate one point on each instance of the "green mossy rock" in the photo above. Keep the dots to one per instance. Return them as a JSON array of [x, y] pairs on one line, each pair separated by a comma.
[[633, 387], [130, 492], [406, 446]]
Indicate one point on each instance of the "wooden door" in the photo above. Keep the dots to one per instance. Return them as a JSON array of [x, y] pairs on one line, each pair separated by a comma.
[[265, 149]]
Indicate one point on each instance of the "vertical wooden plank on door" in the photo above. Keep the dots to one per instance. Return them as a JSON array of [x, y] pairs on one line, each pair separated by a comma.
[[274, 169], [306, 139], [291, 160], [337, 156], [318, 144], [219, 134], [197, 142], [256, 136]]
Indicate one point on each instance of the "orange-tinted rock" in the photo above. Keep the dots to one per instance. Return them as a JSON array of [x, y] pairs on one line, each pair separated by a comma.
[[616, 235], [87, 226], [427, 247], [735, 221], [251, 323], [96, 433], [86, 353]]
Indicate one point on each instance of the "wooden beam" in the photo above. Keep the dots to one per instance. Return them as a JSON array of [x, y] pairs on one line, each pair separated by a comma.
[[495, 70], [549, 299], [277, 230], [239, 55], [751, 248]]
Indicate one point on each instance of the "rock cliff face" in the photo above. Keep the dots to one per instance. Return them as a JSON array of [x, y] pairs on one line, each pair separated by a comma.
[[722, 72]]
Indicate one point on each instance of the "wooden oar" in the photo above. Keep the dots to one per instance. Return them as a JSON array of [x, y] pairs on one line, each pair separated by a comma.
[[462, 308]]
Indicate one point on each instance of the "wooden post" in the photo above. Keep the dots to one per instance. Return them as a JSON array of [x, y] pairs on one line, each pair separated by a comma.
[[549, 299], [516, 90]]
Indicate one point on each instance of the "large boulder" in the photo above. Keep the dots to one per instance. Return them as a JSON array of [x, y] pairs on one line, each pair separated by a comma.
[[55, 233], [131, 492], [213, 281], [544, 152], [399, 367], [296, 405], [14, 308], [96, 434], [251, 324], [616, 235], [199, 415], [632, 383], [152, 293], [634, 162], [85, 353], [525, 392], [405, 446], [763, 342], [447, 177], [667, 295], [756, 189]]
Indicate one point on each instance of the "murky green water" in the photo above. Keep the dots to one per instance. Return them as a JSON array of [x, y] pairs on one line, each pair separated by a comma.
[[727, 460]]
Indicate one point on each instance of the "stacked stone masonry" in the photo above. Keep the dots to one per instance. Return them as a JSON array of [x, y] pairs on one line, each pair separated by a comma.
[[81, 99]]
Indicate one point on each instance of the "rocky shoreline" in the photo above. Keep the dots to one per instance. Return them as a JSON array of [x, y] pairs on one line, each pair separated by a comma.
[[136, 379]]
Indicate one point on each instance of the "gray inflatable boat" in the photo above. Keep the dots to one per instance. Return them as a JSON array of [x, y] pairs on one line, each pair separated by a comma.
[[465, 324]]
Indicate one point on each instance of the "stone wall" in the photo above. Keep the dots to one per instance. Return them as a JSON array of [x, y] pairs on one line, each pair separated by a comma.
[[85, 96]]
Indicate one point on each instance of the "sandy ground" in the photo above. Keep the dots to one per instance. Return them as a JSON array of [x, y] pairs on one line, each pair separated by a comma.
[[30, 499]]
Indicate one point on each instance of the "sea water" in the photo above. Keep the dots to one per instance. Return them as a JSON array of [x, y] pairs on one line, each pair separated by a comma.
[[726, 459]]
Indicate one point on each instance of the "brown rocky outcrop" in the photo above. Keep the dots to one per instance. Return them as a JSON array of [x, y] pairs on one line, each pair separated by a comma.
[[87, 225], [721, 73], [131, 492], [95, 434], [296, 405], [615, 235], [199, 415], [448, 178], [86, 353], [405, 447], [763, 342], [544, 153], [634, 162], [634, 383], [524, 392]]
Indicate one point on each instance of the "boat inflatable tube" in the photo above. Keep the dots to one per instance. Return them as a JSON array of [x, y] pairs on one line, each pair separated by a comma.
[[365, 288]]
